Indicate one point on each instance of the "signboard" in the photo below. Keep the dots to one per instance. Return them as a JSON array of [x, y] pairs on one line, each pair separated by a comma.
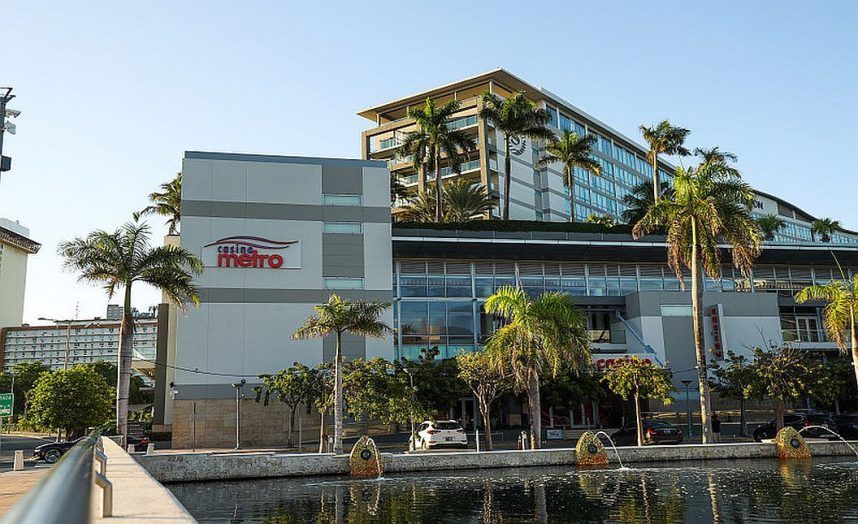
[[553, 434], [716, 313], [250, 252], [136, 429], [605, 362], [7, 404]]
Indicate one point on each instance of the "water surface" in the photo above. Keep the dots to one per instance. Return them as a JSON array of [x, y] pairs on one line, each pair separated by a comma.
[[824, 490]]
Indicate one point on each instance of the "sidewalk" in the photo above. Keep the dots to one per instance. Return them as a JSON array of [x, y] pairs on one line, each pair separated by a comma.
[[16, 484]]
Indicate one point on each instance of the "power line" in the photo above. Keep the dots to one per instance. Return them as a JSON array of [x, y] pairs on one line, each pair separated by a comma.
[[197, 371]]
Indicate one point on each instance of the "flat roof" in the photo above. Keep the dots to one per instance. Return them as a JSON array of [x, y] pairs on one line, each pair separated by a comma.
[[280, 159], [20, 241]]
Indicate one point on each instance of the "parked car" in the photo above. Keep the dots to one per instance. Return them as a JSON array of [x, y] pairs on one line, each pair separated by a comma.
[[440, 433], [53, 451], [654, 432], [798, 421], [846, 426]]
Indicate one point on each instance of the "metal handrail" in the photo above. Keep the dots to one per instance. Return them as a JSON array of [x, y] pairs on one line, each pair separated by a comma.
[[63, 496]]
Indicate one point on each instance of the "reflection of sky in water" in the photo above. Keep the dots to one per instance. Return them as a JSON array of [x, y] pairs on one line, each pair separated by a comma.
[[825, 490]]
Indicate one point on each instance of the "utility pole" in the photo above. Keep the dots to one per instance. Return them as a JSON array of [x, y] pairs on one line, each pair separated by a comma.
[[238, 387], [687, 383], [5, 96]]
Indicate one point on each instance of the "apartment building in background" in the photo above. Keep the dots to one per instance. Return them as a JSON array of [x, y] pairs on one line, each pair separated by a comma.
[[539, 194], [15, 247]]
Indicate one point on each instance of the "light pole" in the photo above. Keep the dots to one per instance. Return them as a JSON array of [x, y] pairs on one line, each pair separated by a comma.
[[238, 387], [687, 383], [5, 96]]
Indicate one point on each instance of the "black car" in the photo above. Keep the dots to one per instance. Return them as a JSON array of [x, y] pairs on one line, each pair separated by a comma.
[[798, 421], [53, 451], [654, 432], [846, 426]]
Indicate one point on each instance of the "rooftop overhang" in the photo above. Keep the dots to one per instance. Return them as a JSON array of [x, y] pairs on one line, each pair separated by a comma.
[[574, 247], [19, 241]]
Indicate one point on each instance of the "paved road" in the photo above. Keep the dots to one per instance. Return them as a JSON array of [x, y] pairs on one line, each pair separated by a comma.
[[14, 442]]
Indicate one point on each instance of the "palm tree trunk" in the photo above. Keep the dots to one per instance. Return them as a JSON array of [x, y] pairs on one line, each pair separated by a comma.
[[779, 415], [421, 178], [123, 365], [438, 188], [507, 166], [742, 430], [854, 332], [535, 411], [323, 438], [638, 417], [700, 350], [338, 396], [656, 180]]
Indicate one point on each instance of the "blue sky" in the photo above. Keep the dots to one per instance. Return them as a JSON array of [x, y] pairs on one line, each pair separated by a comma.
[[112, 93]]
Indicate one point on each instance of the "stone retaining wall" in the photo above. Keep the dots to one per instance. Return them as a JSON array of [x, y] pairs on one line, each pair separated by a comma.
[[190, 467]]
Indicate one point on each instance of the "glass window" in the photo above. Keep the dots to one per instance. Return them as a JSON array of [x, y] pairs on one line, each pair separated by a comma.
[[460, 320], [484, 286], [437, 318], [343, 283], [343, 227], [552, 116], [676, 311], [342, 200], [414, 315]]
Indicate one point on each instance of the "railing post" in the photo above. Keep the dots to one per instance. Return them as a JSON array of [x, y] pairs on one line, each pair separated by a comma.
[[100, 479]]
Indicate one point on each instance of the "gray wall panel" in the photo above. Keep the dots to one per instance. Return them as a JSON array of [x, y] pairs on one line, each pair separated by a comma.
[[342, 179]]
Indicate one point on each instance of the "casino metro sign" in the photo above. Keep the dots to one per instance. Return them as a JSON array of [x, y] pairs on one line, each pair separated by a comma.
[[251, 252]]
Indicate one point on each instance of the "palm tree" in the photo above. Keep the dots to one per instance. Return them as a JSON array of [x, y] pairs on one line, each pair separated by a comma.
[[641, 199], [541, 336], [602, 220], [663, 139], [119, 259], [516, 118], [770, 225], [167, 203], [337, 317], [436, 139], [415, 146], [571, 151], [841, 312], [710, 206], [823, 229], [463, 201]]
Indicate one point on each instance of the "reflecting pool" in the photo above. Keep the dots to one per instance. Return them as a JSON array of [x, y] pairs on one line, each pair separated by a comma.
[[821, 490]]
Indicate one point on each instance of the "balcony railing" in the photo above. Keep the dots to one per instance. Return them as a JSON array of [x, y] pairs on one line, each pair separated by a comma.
[[805, 336]]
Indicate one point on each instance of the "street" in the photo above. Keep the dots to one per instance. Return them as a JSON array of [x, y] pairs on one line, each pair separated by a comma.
[[24, 442]]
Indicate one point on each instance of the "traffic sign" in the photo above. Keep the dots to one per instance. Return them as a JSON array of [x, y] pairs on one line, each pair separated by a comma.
[[7, 402]]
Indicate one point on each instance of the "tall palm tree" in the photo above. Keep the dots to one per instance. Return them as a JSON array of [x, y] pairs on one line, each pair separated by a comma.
[[166, 203], [841, 312], [572, 151], [541, 336], [663, 139], [641, 199], [823, 229], [415, 146], [438, 141], [710, 206], [770, 225], [463, 201], [516, 118], [117, 260], [338, 317]]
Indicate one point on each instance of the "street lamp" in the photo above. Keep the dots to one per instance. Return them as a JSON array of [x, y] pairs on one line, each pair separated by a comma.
[[687, 383], [238, 387], [5, 96]]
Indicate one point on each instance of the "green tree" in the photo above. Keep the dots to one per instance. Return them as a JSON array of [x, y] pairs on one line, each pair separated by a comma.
[[398, 191], [571, 151], [770, 225], [436, 381], [569, 389], [638, 202], [166, 203], [487, 382], [24, 375], [321, 379], [783, 375], [463, 201], [838, 381], [603, 220], [438, 141], [378, 389], [840, 312], [72, 399], [137, 393], [338, 317], [516, 118], [731, 380], [292, 386], [663, 139], [540, 337], [639, 379], [710, 206], [118, 260], [823, 229]]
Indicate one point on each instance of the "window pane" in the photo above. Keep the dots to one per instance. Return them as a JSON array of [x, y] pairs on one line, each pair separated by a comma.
[[414, 318], [343, 227], [343, 283], [342, 200]]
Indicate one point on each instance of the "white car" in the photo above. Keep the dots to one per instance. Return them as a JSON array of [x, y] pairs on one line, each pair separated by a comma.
[[432, 434]]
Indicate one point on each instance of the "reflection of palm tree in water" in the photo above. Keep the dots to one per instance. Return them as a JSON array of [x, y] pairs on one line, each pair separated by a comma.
[[713, 496], [540, 502], [490, 514]]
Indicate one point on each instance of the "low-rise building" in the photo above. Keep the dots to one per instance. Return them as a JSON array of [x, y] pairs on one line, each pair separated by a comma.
[[15, 247]]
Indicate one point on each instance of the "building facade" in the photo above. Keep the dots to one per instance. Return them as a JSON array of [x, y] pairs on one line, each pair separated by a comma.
[[78, 342], [15, 247], [539, 194], [277, 235]]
